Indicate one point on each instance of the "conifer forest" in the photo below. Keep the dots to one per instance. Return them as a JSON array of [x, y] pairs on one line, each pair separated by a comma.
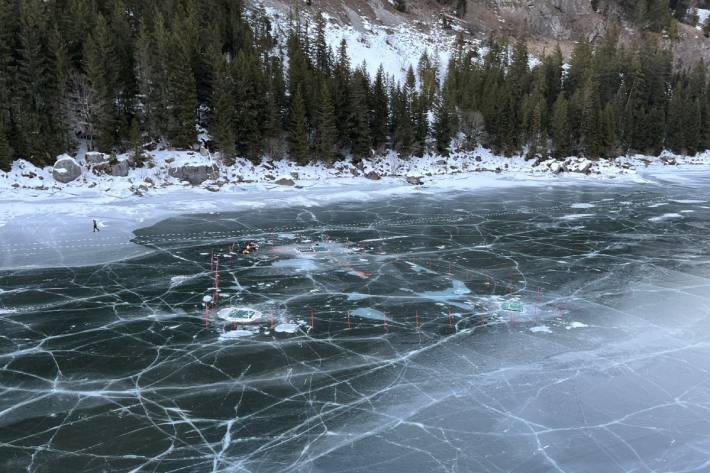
[[123, 74]]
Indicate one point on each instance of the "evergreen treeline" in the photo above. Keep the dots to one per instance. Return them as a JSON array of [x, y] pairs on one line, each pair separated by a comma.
[[119, 74]]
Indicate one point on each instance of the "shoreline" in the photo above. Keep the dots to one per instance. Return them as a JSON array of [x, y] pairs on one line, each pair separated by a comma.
[[52, 227]]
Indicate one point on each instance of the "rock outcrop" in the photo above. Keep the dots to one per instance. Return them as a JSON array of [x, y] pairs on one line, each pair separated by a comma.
[[195, 174]]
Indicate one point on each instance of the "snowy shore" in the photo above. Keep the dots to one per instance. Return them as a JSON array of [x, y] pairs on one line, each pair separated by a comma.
[[44, 222], [166, 169]]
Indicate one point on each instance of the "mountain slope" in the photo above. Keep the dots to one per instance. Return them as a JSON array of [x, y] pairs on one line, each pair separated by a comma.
[[379, 26]]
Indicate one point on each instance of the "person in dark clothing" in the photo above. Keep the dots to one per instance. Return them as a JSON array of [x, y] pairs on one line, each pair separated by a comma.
[[96, 226]]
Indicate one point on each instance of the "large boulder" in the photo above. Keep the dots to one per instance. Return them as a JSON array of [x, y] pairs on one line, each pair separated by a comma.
[[415, 180], [66, 170], [195, 174], [373, 176]]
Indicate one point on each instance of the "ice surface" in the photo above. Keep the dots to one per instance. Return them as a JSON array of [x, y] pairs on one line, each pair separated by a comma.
[[115, 366], [286, 328]]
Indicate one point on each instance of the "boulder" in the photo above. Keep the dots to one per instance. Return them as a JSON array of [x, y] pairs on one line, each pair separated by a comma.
[[285, 182], [204, 151], [415, 180], [557, 168], [94, 157], [120, 169], [66, 170], [585, 167], [372, 175], [668, 160], [195, 174]]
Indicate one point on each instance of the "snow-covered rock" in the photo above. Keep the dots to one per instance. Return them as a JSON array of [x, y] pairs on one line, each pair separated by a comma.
[[195, 174], [66, 169], [557, 167], [580, 165], [284, 181], [94, 157], [415, 180]]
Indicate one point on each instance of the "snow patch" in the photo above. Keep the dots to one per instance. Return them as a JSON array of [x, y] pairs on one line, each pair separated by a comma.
[[369, 313], [663, 217], [576, 216]]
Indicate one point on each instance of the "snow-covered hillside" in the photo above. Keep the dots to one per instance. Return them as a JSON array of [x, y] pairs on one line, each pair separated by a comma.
[[395, 47]]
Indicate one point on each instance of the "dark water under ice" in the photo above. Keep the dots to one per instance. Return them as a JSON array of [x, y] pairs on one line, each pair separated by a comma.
[[521, 330]]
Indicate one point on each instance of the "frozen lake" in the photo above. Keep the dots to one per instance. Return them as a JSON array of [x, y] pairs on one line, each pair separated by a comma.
[[522, 330]]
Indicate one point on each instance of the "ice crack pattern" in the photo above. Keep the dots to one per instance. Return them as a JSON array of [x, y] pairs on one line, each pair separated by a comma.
[[514, 330]]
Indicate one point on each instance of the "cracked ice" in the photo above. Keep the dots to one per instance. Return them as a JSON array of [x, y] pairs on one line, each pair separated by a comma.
[[507, 330]]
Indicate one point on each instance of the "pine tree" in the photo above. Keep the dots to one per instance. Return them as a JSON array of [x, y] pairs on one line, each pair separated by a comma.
[[591, 126], [6, 153], [32, 84], [59, 69], [297, 132], [428, 78], [98, 63], [659, 15], [222, 120], [420, 121], [160, 55], [519, 80], [580, 67], [341, 95], [380, 112], [553, 76], [321, 55], [358, 119], [8, 84], [691, 122], [402, 123], [443, 124], [182, 95], [675, 133], [327, 131], [250, 104], [560, 127]]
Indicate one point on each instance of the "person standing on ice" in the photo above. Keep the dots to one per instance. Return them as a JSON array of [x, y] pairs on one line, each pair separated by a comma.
[[96, 226]]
